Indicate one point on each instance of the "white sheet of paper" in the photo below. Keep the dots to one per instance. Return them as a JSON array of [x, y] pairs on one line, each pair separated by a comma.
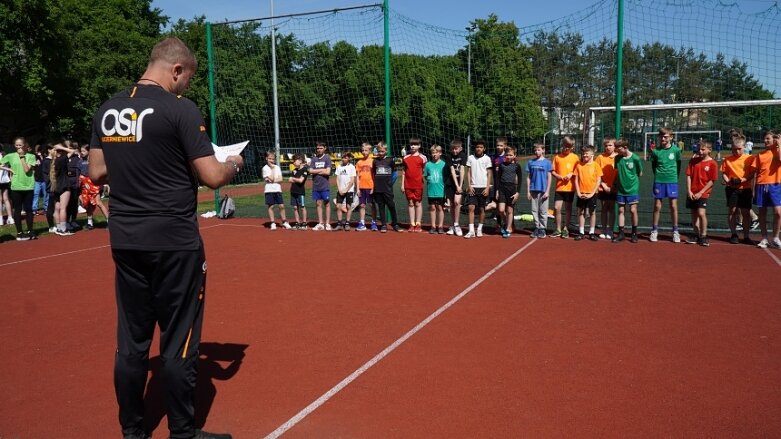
[[222, 152]]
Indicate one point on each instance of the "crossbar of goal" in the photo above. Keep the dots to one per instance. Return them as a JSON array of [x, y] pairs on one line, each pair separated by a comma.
[[629, 108]]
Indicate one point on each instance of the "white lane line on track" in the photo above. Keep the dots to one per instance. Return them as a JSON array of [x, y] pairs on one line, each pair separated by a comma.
[[377, 358], [74, 251], [775, 258]]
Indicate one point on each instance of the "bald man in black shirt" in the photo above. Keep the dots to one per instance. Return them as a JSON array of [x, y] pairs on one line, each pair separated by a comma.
[[151, 145]]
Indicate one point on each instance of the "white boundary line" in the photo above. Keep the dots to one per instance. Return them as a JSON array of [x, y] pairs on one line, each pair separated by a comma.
[[377, 358], [775, 258], [74, 251]]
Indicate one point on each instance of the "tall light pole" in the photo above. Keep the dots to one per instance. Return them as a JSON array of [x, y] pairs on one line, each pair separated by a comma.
[[471, 28], [274, 84]]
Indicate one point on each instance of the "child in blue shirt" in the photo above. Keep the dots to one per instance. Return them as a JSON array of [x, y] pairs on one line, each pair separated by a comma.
[[538, 180]]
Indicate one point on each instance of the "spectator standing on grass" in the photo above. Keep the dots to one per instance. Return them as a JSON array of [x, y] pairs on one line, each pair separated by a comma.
[[89, 197], [563, 168], [59, 188], [701, 174], [412, 184], [434, 174], [738, 188], [5, 192], [478, 182], [272, 176], [345, 185], [666, 166], [538, 183], [320, 169], [40, 193], [629, 169], [607, 189], [588, 176], [454, 183], [155, 242], [496, 160], [46, 164], [298, 191], [767, 190], [383, 169], [74, 172], [22, 167]]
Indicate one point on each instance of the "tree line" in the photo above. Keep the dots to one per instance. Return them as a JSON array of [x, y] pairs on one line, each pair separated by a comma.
[[59, 59]]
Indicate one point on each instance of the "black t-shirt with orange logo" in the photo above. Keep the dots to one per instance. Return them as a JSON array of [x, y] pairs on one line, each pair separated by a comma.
[[148, 137]]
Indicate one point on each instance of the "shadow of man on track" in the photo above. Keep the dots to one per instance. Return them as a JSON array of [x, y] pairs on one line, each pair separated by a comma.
[[210, 368]]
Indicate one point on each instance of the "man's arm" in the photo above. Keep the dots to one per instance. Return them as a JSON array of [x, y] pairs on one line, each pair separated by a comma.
[[211, 172], [97, 166]]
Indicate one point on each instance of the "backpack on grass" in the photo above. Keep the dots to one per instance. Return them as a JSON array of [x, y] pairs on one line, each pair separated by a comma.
[[227, 208]]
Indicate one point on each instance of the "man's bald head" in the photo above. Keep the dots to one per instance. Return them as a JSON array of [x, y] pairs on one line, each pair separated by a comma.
[[172, 51]]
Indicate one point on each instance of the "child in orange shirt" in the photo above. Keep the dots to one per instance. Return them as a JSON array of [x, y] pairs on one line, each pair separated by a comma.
[[588, 177], [563, 168]]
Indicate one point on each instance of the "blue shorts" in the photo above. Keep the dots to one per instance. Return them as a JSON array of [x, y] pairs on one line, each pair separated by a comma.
[[665, 190], [273, 198], [297, 200], [321, 195], [767, 195], [627, 199], [365, 196]]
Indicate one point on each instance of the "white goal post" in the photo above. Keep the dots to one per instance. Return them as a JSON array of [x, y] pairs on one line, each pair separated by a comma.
[[591, 113]]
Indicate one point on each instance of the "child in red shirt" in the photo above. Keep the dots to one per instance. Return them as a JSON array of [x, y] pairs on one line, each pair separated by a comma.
[[701, 173]]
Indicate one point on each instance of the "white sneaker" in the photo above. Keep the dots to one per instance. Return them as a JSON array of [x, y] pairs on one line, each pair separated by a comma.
[[328, 227], [451, 231], [459, 232], [775, 243], [479, 233], [64, 232], [318, 227], [287, 225], [654, 236], [676, 236], [52, 230], [602, 236], [469, 235], [763, 243], [273, 226], [10, 221], [82, 210]]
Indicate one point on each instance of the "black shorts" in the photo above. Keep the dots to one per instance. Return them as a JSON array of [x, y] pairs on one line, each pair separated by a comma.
[[567, 197], [588, 203], [5, 186], [450, 193], [740, 198], [478, 199], [436, 201], [506, 193], [702, 203], [606, 196], [347, 198]]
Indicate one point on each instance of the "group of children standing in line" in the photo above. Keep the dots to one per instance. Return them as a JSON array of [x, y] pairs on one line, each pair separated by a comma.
[[481, 182]]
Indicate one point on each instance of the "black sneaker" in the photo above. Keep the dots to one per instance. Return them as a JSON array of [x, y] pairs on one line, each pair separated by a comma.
[[578, 237], [633, 239], [593, 237], [396, 228], [90, 226], [734, 239], [383, 229], [754, 224], [22, 236], [32, 235], [704, 242], [620, 237]]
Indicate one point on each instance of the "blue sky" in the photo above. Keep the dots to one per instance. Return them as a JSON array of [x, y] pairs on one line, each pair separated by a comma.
[[453, 14]]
